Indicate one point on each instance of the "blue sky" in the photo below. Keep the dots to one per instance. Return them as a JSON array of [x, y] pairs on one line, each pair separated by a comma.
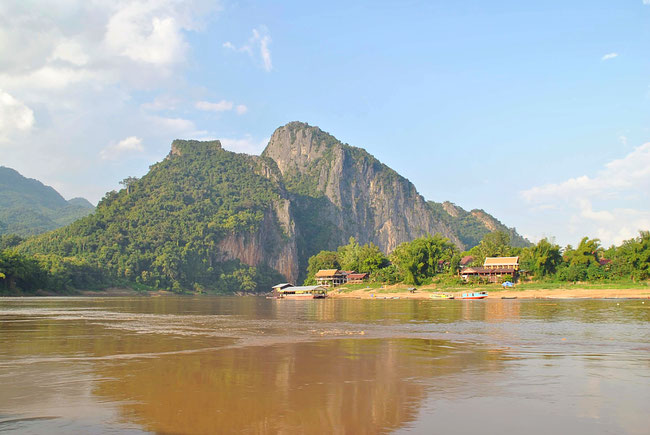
[[537, 113]]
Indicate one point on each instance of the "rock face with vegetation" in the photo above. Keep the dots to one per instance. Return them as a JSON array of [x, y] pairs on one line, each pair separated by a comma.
[[208, 219], [29, 207], [358, 196], [340, 191]]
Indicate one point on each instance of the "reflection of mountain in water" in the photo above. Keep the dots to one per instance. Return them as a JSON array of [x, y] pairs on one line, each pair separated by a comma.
[[330, 386]]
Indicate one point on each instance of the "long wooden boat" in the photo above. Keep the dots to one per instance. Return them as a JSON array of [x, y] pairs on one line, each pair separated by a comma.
[[473, 295], [441, 296], [303, 292]]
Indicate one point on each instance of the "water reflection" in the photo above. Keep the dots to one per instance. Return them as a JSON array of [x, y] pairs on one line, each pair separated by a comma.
[[334, 386], [210, 365]]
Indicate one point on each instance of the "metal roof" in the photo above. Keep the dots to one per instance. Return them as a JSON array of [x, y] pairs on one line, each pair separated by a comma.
[[324, 273], [501, 261], [304, 288]]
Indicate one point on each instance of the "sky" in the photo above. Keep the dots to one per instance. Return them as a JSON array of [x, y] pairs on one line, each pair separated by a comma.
[[536, 112]]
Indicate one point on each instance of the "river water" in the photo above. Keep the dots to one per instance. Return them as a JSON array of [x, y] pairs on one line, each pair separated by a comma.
[[252, 365]]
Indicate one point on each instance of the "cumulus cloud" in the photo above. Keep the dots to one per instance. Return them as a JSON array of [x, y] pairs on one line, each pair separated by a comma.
[[129, 145], [621, 188], [146, 32], [162, 102], [221, 106], [174, 125], [609, 56], [14, 116], [245, 144], [631, 172], [257, 45]]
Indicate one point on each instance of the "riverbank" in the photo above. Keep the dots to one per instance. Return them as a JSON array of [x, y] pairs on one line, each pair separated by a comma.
[[401, 292]]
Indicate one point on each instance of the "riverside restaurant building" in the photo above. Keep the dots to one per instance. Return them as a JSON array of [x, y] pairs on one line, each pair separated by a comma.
[[494, 269], [330, 277]]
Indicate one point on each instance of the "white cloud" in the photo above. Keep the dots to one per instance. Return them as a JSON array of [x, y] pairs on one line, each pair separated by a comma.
[[14, 116], [75, 73], [630, 172], [69, 51], [146, 32], [129, 145], [162, 102], [174, 125], [646, 2], [621, 189], [609, 56], [221, 106], [258, 43], [245, 145]]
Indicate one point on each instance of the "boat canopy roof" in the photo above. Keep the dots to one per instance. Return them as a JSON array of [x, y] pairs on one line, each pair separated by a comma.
[[303, 289]]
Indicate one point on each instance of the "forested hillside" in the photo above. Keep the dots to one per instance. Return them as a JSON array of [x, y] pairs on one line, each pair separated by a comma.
[[168, 229], [29, 207], [207, 219]]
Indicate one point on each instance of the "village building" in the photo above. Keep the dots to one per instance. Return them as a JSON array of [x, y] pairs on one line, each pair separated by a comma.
[[357, 278], [330, 277], [465, 261], [494, 269]]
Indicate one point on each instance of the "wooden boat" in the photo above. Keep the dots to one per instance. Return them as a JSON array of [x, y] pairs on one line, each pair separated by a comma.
[[303, 292], [441, 296], [473, 295]]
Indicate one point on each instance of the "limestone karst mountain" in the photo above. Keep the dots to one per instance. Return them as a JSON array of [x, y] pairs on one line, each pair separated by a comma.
[[205, 217]]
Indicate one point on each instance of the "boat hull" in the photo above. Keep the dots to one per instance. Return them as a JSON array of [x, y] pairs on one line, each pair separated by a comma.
[[475, 295], [302, 297]]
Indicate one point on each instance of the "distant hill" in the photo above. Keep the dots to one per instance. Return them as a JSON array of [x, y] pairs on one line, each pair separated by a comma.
[[29, 207], [208, 218]]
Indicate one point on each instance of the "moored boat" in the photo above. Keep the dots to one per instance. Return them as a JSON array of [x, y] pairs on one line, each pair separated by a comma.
[[303, 292], [473, 295], [441, 296]]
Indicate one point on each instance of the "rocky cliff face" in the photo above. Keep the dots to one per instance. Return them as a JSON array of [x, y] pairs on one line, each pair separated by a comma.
[[201, 207], [359, 196], [273, 244]]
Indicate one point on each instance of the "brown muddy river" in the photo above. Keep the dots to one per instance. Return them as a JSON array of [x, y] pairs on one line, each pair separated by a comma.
[[183, 365]]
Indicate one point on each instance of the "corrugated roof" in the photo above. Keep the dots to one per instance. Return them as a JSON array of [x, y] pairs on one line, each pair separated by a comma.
[[357, 275], [282, 285], [471, 270], [466, 259], [501, 261], [324, 273]]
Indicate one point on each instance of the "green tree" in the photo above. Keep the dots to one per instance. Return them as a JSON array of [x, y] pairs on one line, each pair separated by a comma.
[[542, 259], [322, 260], [495, 244], [418, 260], [585, 254]]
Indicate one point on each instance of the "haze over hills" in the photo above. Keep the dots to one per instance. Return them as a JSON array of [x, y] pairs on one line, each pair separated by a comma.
[[29, 207], [204, 215]]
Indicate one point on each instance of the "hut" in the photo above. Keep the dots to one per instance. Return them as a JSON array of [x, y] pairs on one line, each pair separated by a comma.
[[330, 277], [357, 278]]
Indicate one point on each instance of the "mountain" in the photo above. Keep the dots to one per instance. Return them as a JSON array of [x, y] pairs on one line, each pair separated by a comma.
[[209, 218], [29, 207], [341, 191]]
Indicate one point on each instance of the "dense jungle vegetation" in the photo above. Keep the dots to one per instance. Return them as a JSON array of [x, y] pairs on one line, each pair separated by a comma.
[[436, 259]]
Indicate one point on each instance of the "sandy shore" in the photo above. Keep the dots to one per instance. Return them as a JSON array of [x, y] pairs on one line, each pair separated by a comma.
[[574, 293]]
